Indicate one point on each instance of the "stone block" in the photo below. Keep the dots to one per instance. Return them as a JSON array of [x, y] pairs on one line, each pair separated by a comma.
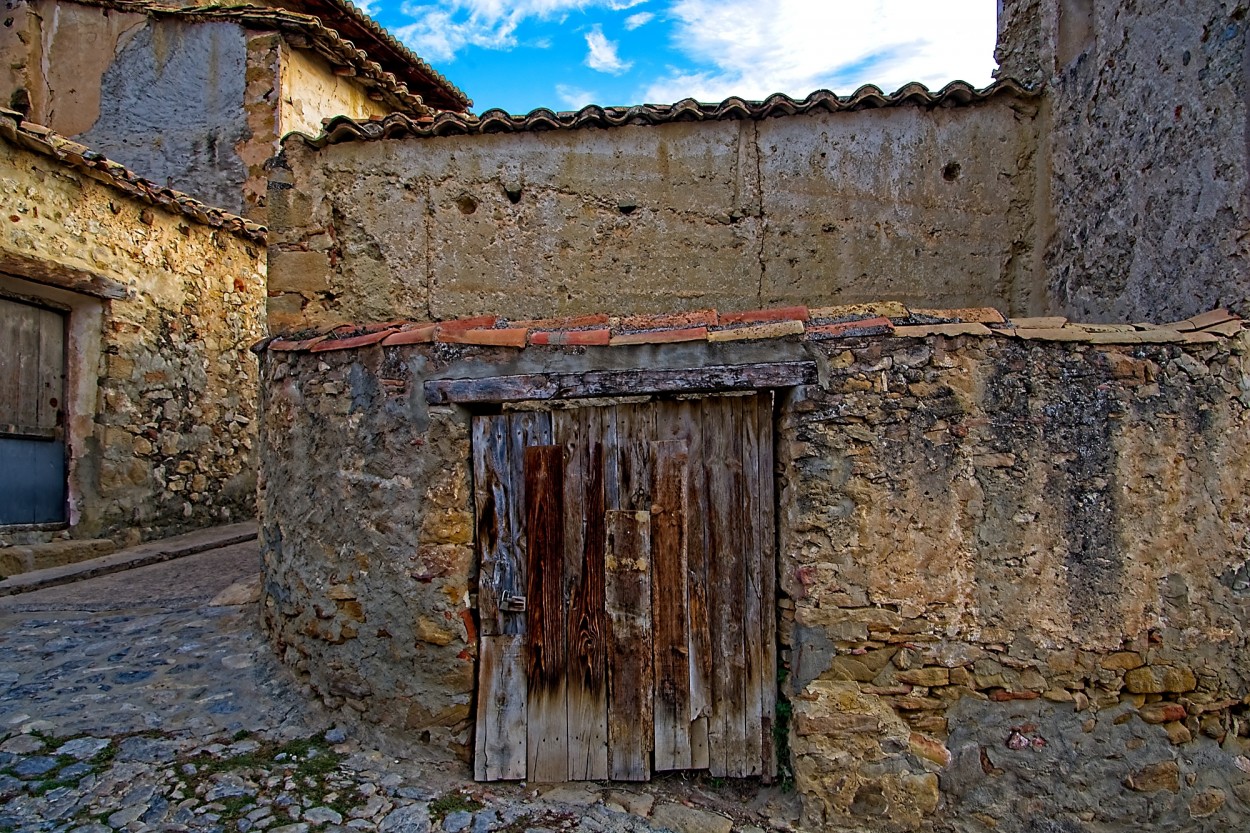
[[1160, 679]]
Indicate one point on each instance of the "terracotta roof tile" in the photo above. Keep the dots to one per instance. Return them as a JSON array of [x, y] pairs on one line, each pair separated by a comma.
[[39, 139], [507, 337], [968, 315], [659, 336], [588, 331], [598, 336], [769, 329], [1045, 322], [344, 129], [759, 316], [850, 312], [848, 329], [672, 320]]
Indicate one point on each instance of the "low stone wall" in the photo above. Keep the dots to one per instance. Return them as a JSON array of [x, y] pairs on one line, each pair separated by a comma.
[[161, 308], [1013, 575]]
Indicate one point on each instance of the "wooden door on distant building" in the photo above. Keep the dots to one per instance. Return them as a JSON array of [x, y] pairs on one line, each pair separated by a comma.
[[32, 395], [626, 590]]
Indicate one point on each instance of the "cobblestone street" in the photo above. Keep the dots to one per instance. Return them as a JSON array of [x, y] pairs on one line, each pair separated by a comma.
[[148, 700]]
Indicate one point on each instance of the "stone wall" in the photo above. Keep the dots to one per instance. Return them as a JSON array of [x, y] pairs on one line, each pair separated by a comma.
[[1146, 113], [162, 308], [906, 202], [1013, 572]]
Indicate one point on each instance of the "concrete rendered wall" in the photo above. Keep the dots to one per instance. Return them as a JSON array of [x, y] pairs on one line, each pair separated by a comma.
[[1013, 575], [900, 203], [1146, 124], [161, 406]]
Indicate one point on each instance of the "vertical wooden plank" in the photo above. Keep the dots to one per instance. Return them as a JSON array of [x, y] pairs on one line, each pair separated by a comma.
[[584, 546], [768, 585], [496, 539], [725, 496], [628, 596], [49, 394], [611, 457], [545, 639], [635, 426], [750, 534], [683, 420], [501, 709], [525, 428], [671, 651]]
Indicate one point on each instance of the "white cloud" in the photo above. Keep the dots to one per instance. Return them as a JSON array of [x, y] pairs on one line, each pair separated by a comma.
[[640, 19], [602, 53], [441, 29], [759, 47], [369, 7], [574, 98]]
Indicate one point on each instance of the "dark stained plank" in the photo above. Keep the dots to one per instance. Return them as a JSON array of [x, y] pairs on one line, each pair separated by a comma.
[[751, 535], [539, 386], [635, 426], [66, 277], [768, 586], [671, 645], [628, 595], [584, 545], [547, 735], [496, 541], [608, 418], [525, 428], [501, 709]]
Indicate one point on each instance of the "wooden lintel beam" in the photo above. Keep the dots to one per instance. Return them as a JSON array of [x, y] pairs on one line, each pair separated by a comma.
[[75, 279], [595, 383]]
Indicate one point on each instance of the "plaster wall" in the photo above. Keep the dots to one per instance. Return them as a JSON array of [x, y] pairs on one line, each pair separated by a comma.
[[312, 92], [1012, 574], [162, 386], [1147, 135], [816, 208]]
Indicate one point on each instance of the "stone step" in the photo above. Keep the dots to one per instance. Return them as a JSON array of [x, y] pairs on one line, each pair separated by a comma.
[[26, 558], [142, 555]]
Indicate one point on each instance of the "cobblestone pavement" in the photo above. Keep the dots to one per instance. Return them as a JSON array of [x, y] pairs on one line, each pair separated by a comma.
[[148, 701]]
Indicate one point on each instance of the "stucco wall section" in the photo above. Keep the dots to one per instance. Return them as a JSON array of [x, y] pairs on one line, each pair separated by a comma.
[[311, 91], [162, 406], [1148, 123], [172, 109], [823, 207], [1013, 576]]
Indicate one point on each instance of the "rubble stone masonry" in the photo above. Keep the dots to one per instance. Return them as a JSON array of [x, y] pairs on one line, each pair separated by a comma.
[[161, 308], [1013, 578]]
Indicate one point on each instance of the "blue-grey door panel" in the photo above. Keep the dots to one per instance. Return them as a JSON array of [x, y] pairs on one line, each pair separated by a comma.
[[32, 481]]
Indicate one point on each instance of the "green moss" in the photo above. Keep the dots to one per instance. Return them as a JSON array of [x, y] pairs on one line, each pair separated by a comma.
[[450, 803]]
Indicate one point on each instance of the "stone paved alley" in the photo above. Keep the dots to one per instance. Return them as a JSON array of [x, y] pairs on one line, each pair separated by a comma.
[[147, 700]]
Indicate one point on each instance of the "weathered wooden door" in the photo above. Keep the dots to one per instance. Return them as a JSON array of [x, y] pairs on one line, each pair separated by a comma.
[[626, 590], [32, 393]]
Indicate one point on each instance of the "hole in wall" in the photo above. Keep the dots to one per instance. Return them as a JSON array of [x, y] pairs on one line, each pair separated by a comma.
[[950, 171], [466, 204]]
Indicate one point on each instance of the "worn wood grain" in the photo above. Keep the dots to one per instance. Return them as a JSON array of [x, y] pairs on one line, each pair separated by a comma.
[[628, 595], [495, 541], [525, 428], [635, 425], [746, 419], [50, 393], [584, 548], [768, 586], [540, 386], [545, 624], [501, 709], [671, 644], [60, 275]]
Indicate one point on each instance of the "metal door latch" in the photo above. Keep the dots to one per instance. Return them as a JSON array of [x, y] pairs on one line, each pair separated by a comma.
[[512, 602]]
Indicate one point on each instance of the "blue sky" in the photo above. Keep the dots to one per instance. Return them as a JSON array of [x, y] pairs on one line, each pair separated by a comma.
[[564, 54]]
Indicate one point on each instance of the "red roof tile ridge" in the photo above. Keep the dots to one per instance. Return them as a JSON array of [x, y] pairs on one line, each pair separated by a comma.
[[38, 139], [956, 93], [814, 324]]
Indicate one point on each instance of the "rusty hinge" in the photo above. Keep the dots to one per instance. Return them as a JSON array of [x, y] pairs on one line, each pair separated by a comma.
[[512, 602]]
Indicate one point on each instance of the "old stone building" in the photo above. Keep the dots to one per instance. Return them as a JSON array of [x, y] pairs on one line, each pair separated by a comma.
[[196, 96], [635, 411], [126, 311]]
